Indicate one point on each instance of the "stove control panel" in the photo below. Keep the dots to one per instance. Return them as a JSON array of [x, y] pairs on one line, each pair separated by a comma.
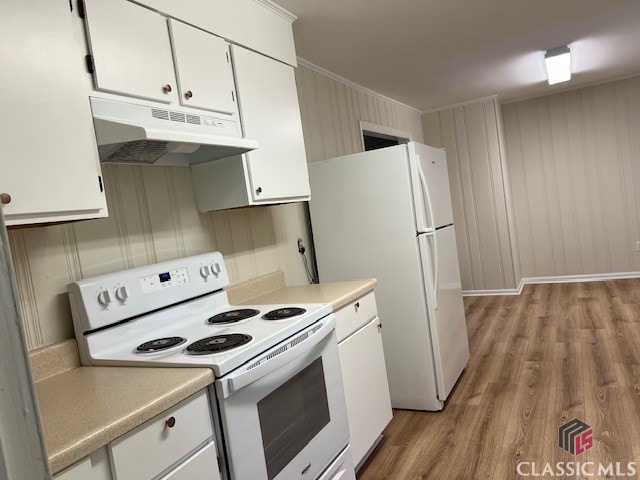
[[160, 281], [104, 300]]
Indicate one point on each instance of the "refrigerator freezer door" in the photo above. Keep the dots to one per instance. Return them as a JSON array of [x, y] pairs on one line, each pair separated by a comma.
[[447, 322], [433, 163]]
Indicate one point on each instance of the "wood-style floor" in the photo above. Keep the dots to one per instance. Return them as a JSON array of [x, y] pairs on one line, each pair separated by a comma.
[[538, 360]]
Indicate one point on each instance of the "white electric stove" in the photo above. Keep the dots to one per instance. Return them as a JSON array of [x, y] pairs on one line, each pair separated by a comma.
[[268, 360]]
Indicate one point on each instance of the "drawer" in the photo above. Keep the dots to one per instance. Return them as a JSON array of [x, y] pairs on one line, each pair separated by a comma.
[[203, 464], [154, 446], [355, 315]]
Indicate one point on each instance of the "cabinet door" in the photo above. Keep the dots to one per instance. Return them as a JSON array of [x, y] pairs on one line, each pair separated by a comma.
[[154, 446], [94, 467], [366, 389], [205, 77], [131, 50], [270, 114], [48, 157], [203, 464]]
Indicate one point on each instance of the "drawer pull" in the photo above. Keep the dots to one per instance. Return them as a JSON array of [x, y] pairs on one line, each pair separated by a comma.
[[357, 306], [171, 421], [5, 198]]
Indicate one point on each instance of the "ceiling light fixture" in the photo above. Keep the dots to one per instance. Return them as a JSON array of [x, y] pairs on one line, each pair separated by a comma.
[[558, 62]]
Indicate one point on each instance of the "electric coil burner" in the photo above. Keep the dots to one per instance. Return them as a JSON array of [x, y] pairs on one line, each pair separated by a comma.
[[160, 344], [233, 316], [282, 313], [218, 343]]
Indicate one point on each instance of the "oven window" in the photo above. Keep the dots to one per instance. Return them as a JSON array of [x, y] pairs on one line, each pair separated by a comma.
[[292, 415]]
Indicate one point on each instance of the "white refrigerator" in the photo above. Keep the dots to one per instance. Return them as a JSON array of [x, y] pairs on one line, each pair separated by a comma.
[[387, 214]]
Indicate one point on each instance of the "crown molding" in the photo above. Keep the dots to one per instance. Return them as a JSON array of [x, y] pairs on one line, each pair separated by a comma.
[[345, 81], [460, 104], [277, 9]]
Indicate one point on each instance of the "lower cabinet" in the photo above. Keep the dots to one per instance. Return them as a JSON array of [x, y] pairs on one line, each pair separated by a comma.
[[175, 445], [364, 374], [94, 467]]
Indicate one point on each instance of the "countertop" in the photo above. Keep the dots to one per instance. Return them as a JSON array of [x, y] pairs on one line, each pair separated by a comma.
[[338, 294], [84, 408]]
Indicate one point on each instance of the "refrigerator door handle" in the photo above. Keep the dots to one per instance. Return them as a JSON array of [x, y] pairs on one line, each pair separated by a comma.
[[427, 197], [434, 261], [430, 231], [435, 271]]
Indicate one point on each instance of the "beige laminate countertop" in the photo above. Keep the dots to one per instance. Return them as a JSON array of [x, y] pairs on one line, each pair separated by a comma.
[[338, 294], [85, 408]]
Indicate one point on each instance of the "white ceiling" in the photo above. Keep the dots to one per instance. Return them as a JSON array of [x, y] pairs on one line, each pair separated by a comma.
[[432, 53]]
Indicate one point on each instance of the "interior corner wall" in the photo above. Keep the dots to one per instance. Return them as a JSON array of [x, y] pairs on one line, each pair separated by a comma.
[[472, 136], [332, 111], [574, 162]]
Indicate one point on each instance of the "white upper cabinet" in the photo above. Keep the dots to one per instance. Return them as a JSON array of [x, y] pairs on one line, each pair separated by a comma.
[[49, 168], [270, 114], [260, 25], [131, 50], [205, 77], [277, 171]]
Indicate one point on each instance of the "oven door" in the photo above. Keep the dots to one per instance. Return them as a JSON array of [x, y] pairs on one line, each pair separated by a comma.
[[283, 415]]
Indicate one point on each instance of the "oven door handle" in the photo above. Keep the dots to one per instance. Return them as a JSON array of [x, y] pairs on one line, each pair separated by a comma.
[[280, 356]]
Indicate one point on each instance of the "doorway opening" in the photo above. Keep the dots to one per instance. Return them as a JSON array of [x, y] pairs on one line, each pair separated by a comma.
[[376, 136]]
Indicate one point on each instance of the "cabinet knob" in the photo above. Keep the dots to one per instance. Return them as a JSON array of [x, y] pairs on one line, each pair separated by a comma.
[[357, 306], [259, 190], [188, 94], [5, 198], [171, 421], [167, 88]]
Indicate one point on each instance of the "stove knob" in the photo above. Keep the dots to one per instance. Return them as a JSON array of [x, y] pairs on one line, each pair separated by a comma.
[[104, 298], [122, 294], [215, 269], [205, 271]]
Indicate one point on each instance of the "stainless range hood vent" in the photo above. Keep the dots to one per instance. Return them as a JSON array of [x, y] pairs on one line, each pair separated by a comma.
[[141, 151], [130, 133]]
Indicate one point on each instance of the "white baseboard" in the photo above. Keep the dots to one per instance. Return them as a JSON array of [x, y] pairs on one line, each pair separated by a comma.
[[596, 277], [493, 293]]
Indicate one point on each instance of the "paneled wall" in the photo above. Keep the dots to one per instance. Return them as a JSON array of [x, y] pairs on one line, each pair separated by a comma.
[[331, 111], [472, 135], [574, 161], [153, 217]]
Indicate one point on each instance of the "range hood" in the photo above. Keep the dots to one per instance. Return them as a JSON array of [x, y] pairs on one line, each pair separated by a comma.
[[131, 133]]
